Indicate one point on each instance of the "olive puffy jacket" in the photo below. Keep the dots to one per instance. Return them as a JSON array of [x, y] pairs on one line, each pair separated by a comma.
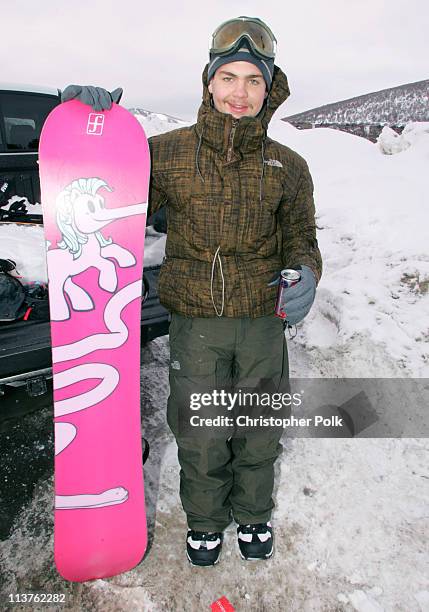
[[239, 208]]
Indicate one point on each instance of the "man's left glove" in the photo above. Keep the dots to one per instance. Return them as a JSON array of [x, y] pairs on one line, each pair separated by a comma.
[[98, 98], [299, 297]]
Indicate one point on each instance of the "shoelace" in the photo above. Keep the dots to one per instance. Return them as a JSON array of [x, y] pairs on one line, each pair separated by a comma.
[[204, 535], [257, 528]]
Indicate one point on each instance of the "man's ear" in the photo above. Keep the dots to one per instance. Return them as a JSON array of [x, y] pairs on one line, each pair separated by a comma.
[[210, 87]]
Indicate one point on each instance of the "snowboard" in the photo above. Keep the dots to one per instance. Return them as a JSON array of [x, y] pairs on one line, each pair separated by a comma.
[[94, 173]]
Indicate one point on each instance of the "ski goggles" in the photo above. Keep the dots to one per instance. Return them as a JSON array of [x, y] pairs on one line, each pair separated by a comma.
[[230, 33]]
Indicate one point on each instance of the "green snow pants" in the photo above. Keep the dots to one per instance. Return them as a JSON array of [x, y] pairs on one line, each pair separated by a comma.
[[225, 477]]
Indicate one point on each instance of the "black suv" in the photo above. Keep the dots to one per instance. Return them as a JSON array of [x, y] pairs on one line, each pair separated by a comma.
[[25, 351]]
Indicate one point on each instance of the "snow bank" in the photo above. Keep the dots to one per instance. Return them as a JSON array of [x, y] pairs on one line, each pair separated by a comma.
[[25, 244], [390, 142], [372, 215]]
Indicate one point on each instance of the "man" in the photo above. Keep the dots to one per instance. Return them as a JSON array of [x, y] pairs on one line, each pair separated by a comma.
[[239, 208]]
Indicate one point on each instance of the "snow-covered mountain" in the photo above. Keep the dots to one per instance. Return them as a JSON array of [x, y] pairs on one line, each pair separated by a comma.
[[156, 123], [395, 106]]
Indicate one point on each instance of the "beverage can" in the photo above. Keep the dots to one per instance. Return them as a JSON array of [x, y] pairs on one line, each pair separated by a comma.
[[288, 278]]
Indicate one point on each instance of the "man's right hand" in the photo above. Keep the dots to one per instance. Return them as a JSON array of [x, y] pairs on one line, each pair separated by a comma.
[[98, 98]]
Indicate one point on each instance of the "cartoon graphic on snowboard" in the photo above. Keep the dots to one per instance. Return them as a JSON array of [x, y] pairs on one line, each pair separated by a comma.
[[81, 214]]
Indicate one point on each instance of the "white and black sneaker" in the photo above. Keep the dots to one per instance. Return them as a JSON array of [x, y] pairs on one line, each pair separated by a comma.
[[255, 541], [203, 547]]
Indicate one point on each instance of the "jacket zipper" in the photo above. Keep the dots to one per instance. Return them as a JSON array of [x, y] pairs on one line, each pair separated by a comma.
[[231, 139], [228, 159]]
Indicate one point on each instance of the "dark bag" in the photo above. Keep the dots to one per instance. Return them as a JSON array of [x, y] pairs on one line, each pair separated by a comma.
[[37, 302], [12, 293], [19, 302]]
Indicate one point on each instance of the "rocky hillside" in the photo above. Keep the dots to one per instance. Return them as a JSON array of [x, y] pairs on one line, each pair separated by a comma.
[[395, 106]]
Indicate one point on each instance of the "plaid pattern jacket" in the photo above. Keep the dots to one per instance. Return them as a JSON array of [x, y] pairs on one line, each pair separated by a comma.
[[239, 208]]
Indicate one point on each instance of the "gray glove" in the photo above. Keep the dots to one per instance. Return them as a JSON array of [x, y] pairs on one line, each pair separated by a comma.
[[96, 97], [299, 297]]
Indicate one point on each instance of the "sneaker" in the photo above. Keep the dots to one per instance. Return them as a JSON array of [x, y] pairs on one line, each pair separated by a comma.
[[203, 547], [255, 541]]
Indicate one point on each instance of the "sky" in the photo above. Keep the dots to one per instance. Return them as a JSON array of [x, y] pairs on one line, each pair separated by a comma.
[[157, 51]]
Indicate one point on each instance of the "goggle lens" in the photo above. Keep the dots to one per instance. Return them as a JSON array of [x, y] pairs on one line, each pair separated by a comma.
[[260, 37]]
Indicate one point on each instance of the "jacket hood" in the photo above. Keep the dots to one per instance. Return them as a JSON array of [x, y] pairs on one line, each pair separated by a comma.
[[213, 125]]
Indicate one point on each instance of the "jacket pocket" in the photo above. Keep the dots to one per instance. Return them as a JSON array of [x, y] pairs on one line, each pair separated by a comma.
[[203, 222], [179, 188]]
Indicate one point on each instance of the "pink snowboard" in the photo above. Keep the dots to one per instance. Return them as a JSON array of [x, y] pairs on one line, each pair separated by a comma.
[[94, 172]]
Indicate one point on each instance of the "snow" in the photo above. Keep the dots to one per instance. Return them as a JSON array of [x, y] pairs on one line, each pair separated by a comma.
[[372, 211], [25, 245], [390, 142], [351, 518], [156, 123], [154, 247]]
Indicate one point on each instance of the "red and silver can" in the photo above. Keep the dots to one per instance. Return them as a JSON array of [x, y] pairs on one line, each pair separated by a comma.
[[288, 278]]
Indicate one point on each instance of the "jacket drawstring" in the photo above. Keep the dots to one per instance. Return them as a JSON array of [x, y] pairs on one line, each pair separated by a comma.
[[217, 257]]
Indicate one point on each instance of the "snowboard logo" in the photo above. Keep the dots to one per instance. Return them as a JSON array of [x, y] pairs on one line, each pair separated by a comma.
[[95, 124], [81, 214]]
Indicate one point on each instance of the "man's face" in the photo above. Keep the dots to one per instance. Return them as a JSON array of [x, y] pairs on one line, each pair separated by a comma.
[[238, 89]]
